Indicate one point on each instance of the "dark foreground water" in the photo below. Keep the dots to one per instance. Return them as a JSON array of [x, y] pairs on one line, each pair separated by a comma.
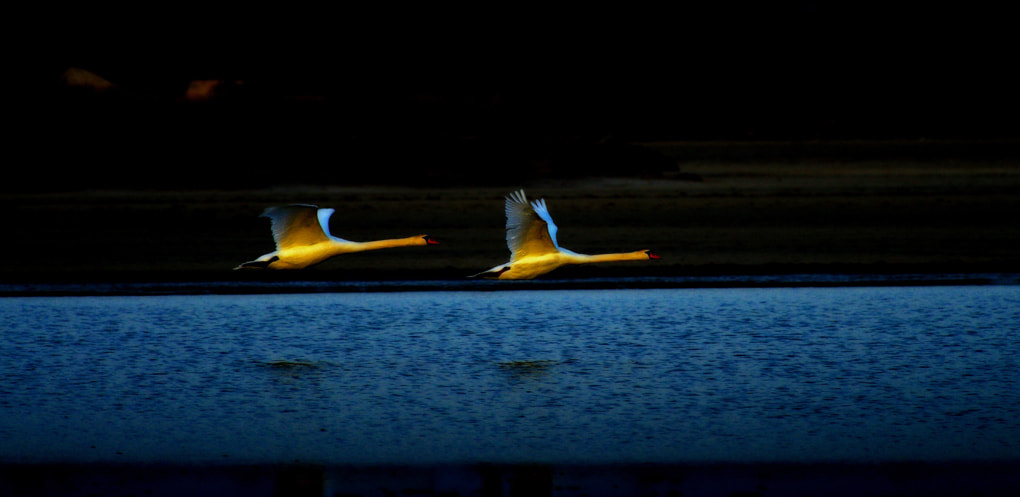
[[802, 375]]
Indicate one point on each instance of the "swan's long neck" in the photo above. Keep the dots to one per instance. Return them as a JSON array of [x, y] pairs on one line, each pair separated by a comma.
[[382, 244], [640, 255]]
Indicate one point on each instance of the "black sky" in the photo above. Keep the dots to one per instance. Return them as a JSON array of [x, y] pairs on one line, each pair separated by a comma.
[[323, 83]]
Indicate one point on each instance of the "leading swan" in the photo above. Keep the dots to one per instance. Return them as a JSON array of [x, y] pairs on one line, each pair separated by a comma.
[[302, 239], [531, 237]]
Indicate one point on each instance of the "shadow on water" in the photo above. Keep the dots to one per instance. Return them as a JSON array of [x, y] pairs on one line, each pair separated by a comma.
[[285, 365], [527, 370], [293, 369]]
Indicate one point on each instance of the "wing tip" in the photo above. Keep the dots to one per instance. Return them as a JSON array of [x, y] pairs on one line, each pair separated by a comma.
[[268, 211], [517, 196]]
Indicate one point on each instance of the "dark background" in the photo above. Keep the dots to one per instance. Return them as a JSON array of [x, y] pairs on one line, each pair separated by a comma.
[[469, 95], [803, 139]]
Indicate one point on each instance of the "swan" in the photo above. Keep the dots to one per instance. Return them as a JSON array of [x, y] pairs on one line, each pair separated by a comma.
[[302, 239], [531, 237]]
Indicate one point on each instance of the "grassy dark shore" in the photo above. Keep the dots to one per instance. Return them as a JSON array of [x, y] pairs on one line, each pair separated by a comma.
[[710, 208]]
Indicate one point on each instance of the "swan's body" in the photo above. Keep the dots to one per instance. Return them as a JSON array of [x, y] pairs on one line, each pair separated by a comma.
[[531, 238], [302, 239]]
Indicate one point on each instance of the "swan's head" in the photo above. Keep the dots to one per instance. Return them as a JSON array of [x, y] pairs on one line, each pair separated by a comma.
[[429, 240], [652, 255]]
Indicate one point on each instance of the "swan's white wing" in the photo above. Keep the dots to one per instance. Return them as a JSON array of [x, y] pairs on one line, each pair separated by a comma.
[[324, 215], [528, 232], [299, 225], [543, 212]]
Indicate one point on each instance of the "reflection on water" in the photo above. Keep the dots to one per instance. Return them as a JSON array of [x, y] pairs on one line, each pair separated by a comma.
[[522, 370], [290, 365], [653, 375]]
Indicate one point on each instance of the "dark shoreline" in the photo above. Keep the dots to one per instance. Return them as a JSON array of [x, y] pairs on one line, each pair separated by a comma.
[[964, 478], [272, 283]]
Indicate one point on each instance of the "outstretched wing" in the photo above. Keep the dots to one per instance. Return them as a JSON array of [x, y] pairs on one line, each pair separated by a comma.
[[299, 225], [530, 230]]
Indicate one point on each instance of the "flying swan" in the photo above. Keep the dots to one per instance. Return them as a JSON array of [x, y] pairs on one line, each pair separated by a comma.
[[302, 239], [531, 237]]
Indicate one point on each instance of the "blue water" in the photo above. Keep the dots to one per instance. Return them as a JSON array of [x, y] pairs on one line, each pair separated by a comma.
[[903, 373]]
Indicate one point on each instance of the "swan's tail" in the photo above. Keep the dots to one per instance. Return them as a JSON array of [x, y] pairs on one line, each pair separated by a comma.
[[253, 265], [491, 274]]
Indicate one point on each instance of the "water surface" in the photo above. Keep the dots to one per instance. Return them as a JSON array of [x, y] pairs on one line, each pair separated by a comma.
[[915, 373]]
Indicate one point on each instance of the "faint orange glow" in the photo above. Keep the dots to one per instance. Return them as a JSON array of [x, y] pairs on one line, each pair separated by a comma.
[[80, 78], [203, 90]]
